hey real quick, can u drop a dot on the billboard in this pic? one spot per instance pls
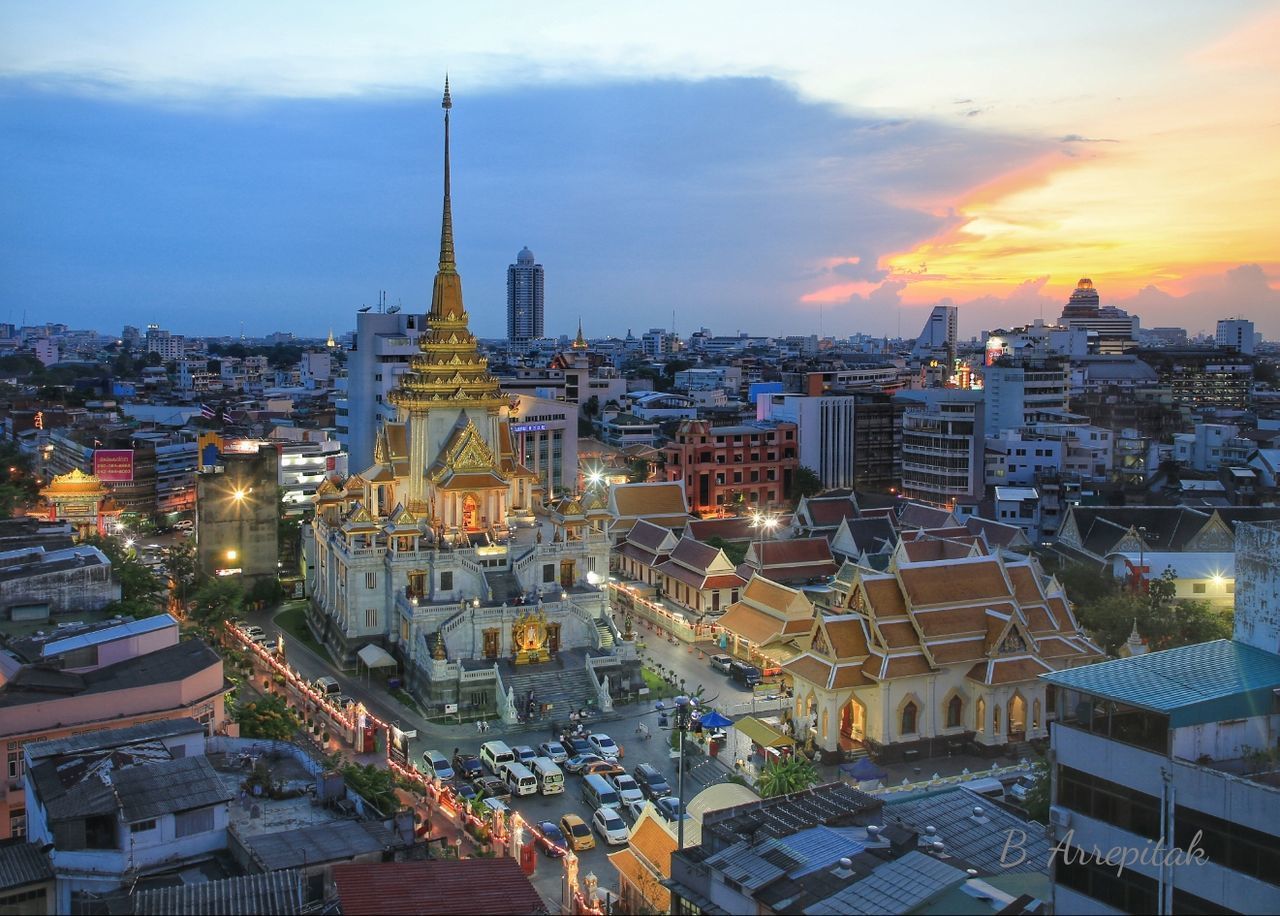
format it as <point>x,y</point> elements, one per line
<point>113,465</point>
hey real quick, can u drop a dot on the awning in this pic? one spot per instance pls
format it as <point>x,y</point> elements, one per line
<point>376,657</point>
<point>762,734</point>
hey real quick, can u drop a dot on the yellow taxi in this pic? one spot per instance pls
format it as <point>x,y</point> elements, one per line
<point>577,833</point>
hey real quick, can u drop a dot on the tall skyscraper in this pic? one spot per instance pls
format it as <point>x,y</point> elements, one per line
<point>938,338</point>
<point>524,298</point>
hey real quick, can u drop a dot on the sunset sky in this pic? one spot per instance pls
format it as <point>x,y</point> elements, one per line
<point>838,169</point>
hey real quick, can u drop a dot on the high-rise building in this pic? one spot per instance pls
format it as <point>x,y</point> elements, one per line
<point>1114,330</point>
<point>1172,755</point>
<point>943,445</point>
<point>938,339</point>
<point>1235,334</point>
<point>524,299</point>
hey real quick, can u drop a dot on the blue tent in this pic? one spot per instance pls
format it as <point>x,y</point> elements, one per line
<point>863,770</point>
<point>713,719</point>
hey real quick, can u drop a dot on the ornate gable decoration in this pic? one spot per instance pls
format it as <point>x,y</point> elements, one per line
<point>1130,543</point>
<point>1215,535</point>
<point>820,644</point>
<point>468,451</point>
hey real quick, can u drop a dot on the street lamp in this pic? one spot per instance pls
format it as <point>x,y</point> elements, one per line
<point>685,708</point>
<point>763,522</point>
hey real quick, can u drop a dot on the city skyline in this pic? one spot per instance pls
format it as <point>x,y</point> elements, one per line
<point>776,187</point>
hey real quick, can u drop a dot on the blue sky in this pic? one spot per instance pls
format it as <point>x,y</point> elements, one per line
<point>839,168</point>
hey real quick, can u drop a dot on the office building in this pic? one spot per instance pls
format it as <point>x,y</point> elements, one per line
<point>1111,330</point>
<point>524,299</point>
<point>848,440</point>
<point>1177,748</point>
<point>938,338</point>
<point>545,433</point>
<point>724,467</point>
<point>238,513</point>
<point>384,343</point>
<point>943,445</point>
<point>1016,393</point>
<point>1235,334</point>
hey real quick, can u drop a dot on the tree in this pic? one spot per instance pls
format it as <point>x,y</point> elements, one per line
<point>141,590</point>
<point>736,553</point>
<point>783,777</point>
<point>805,482</point>
<point>216,600</point>
<point>1085,582</point>
<point>268,718</point>
<point>375,785</point>
<point>1162,620</point>
<point>180,559</point>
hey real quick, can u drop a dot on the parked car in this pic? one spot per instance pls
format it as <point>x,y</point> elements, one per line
<point>670,808</point>
<point>610,825</point>
<point>578,746</point>
<point>553,750</point>
<point>581,762</point>
<point>627,788</point>
<point>604,746</point>
<point>464,790</point>
<point>744,674</point>
<point>185,525</point>
<point>253,631</point>
<point>603,768</point>
<point>651,781</point>
<point>551,841</point>
<point>524,753</point>
<point>437,765</point>
<point>576,831</point>
<point>467,766</point>
<point>493,787</point>
<point>721,663</point>
<point>635,809</point>
<point>327,686</point>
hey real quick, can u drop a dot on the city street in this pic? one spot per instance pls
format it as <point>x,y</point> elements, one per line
<point>692,666</point>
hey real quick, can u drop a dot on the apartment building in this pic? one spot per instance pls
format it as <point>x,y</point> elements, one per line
<point>750,466</point>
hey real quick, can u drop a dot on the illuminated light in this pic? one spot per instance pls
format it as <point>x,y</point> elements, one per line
<point>128,542</point>
<point>231,554</point>
<point>238,495</point>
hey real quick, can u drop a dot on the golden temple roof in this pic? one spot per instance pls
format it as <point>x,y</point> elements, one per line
<point>72,484</point>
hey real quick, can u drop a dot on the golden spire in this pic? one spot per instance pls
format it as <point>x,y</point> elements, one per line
<point>447,261</point>
<point>580,342</point>
<point>448,369</point>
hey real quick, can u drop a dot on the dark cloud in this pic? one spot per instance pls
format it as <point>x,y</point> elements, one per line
<point>717,198</point>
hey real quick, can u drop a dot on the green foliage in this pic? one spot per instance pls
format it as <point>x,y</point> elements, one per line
<point>267,591</point>
<point>140,588</point>
<point>638,470</point>
<point>783,777</point>
<point>267,718</point>
<point>1085,582</point>
<point>805,482</point>
<point>18,488</point>
<point>215,600</point>
<point>180,560</point>
<point>1163,622</point>
<point>375,785</point>
<point>735,552</point>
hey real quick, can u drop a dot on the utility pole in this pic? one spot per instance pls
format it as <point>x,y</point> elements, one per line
<point>684,710</point>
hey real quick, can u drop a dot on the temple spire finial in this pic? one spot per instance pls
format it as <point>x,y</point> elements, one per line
<point>447,259</point>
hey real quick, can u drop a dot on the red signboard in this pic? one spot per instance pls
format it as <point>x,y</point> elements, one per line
<point>113,465</point>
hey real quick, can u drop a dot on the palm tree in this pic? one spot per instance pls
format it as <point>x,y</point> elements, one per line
<point>783,777</point>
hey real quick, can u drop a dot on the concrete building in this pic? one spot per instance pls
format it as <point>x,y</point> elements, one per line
<point>943,446</point>
<point>1016,393</point>
<point>238,514</point>
<point>36,583</point>
<point>168,346</point>
<point>727,378</point>
<point>1235,334</point>
<point>1111,330</point>
<point>938,338</point>
<point>110,676</point>
<point>524,299</point>
<point>848,440</point>
<point>545,432</point>
<point>384,343</point>
<point>1189,764</point>
<point>748,467</point>
<point>315,369</point>
<point>116,805</point>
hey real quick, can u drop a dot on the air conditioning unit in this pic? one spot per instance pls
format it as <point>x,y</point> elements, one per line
<point>1060,816</point>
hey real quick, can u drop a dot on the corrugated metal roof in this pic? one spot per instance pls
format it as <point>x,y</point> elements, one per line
<point>114,737</point>
<point>275,893</point>
<point>1177,679</point>
<point>22,863</point>
<point>168,787</point>
<point>107,634</point>
<point>895,887</point>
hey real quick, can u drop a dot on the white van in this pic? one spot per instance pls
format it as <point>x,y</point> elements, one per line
<point>520,780</point>
<point>493,754</point>
<point>550,777</point>
<point>597,793</point>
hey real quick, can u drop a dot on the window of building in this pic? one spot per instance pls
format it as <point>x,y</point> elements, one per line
<point>1108,801</point>
<point>142,826</point>
<point>1230,587</point>
<point>1127,891</point>
<point>189,823</point>
<point>370,580</point>
<point>548,572</point>
<point>909,719</point>
<point>1198,588</point>
<point>17,825</point>
<point>954,710</point>
<point>370,617</point>
<point>446,581</point>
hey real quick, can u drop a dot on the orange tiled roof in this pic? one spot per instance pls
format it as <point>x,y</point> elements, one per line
<point>654,844</point>
<point>1026,585</point>
<point>956,620</point>
<point>634,871</point>
<point>966,650</point>
<point>847,676</point>
<point>847,637</point>
<point>812,669</point>
<point>884,595</point>
<point>906,666</point>
<point>1008,670</point>
<point>649,499</point>
<point>979,579</point>
<point>750,623</point>
<point>473,482</point>
<point>898,635</point>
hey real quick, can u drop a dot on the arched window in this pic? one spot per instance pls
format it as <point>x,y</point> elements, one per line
<point>909,719</point>
<point>995,719</point>
<point>980,717</point>
<point>954,710</point>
